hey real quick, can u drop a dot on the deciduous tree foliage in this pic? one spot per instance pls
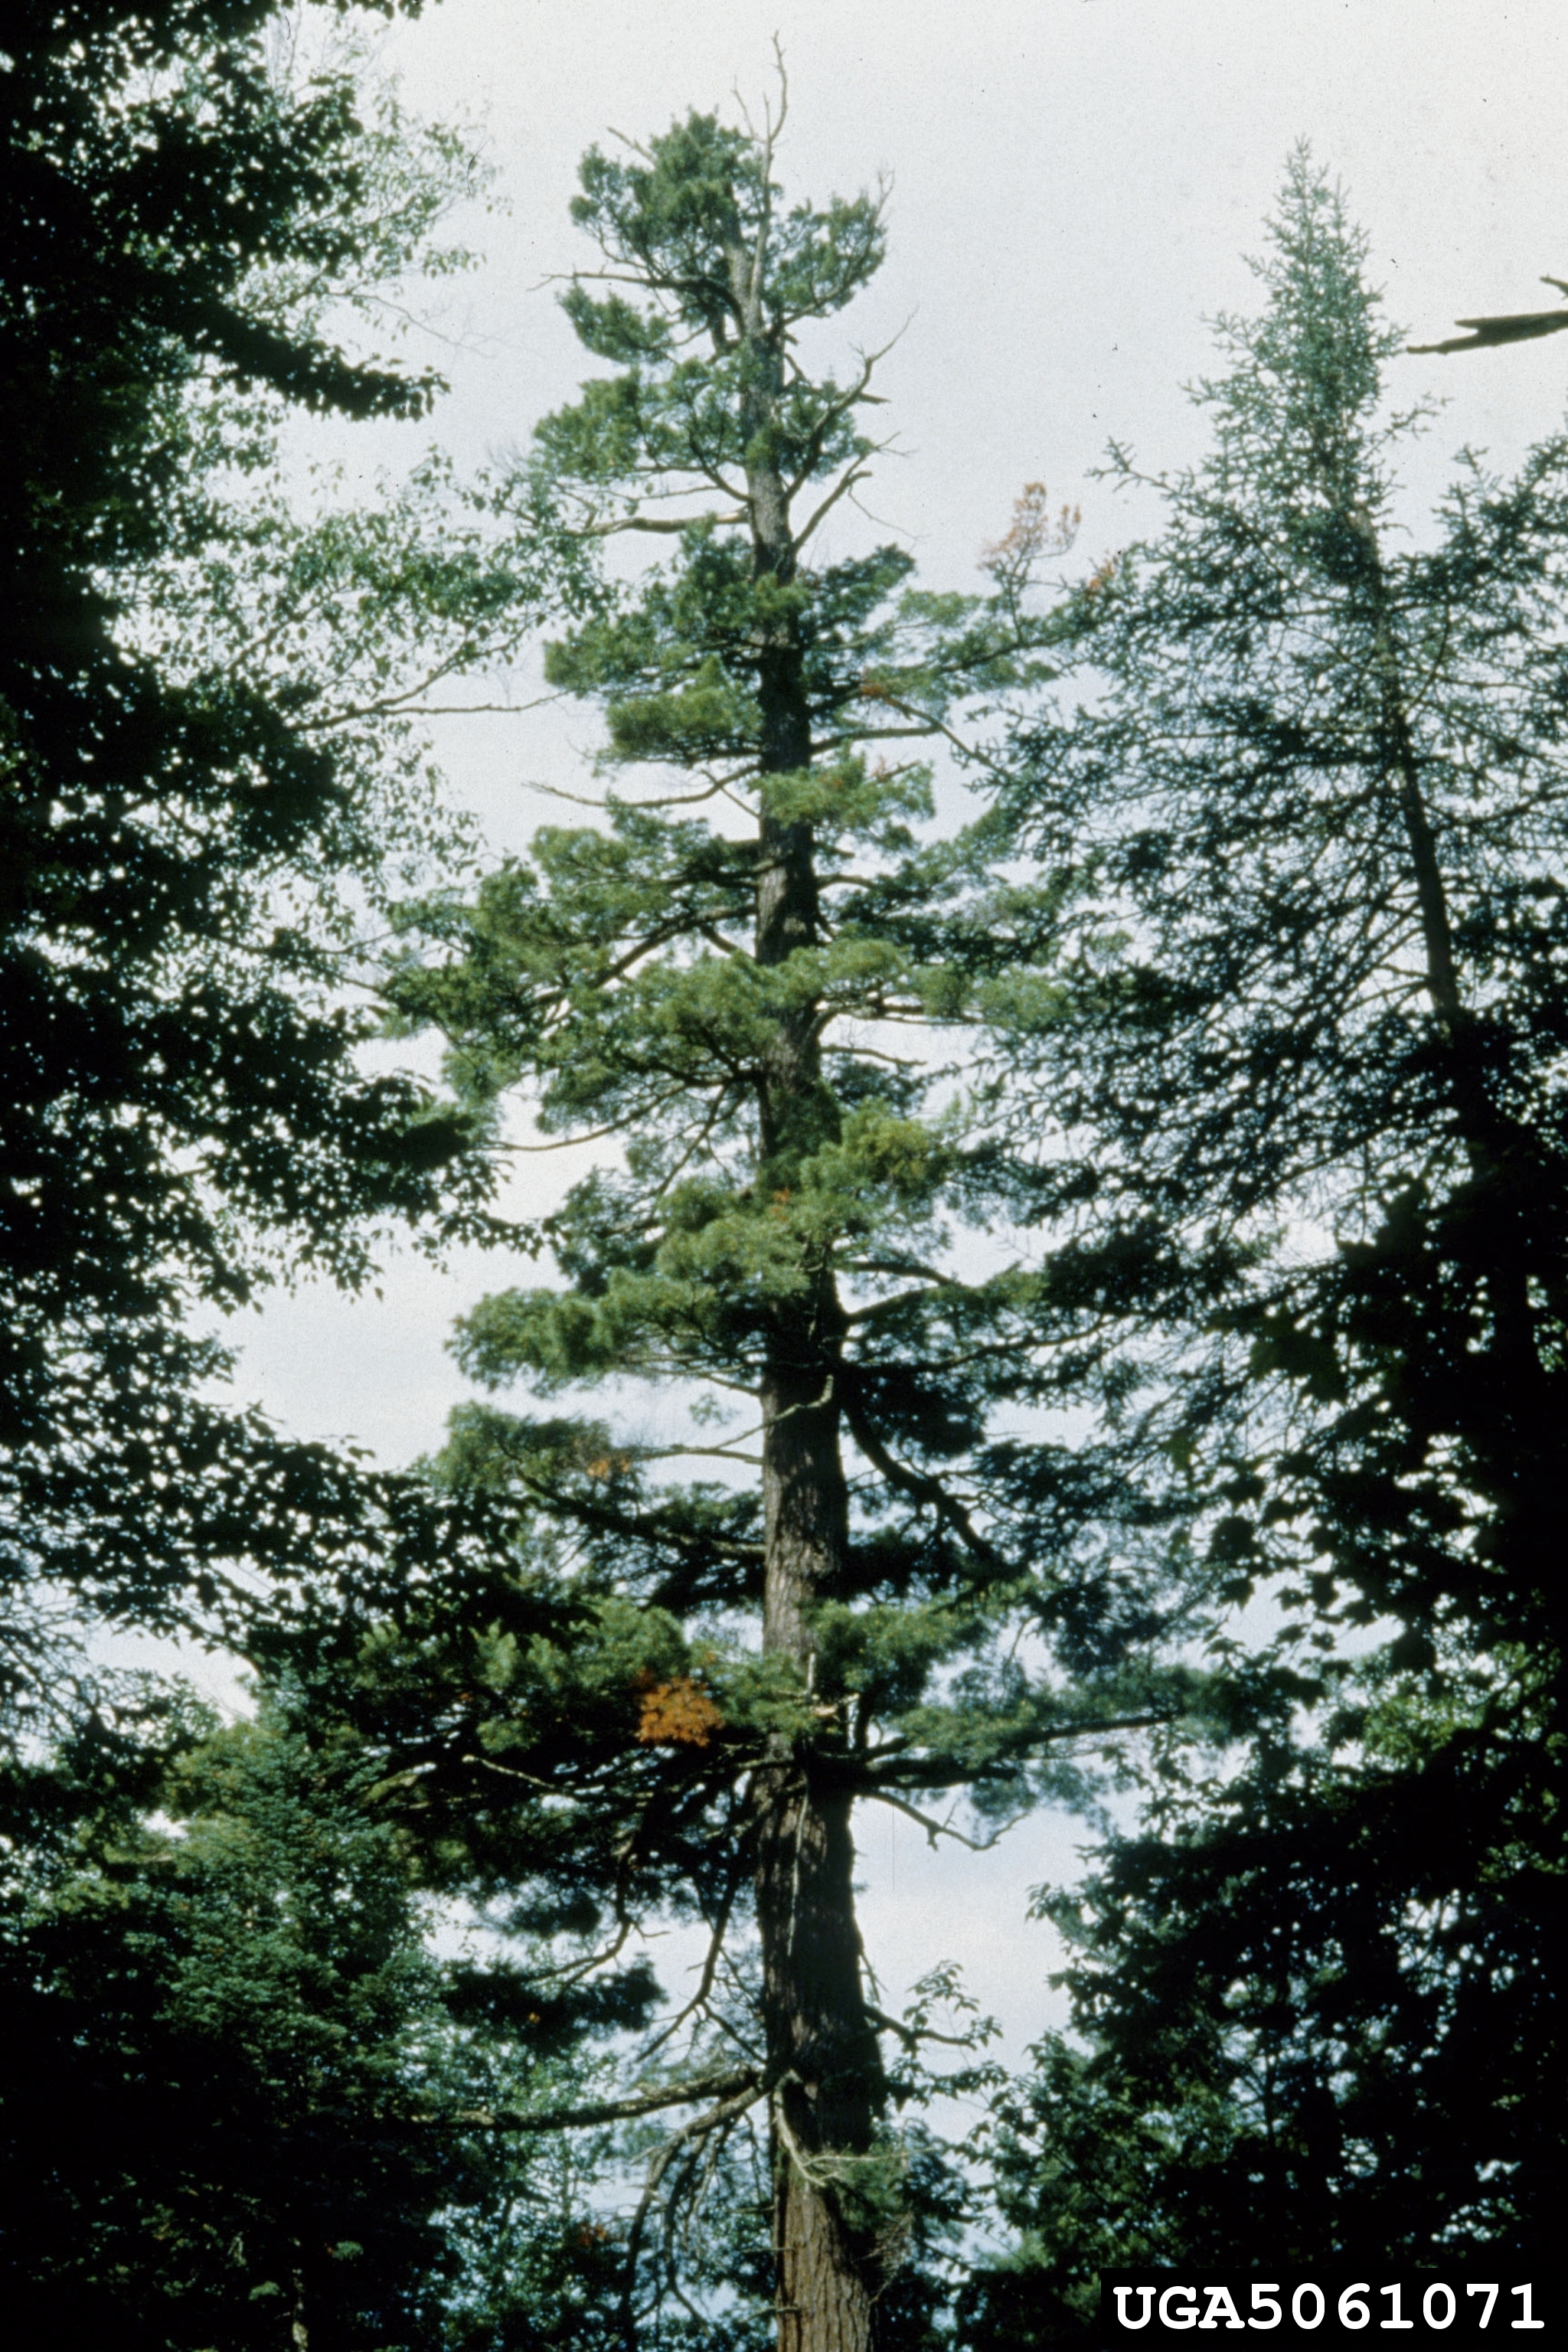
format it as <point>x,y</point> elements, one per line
<point>224,2107</point>
<point>770,979</point>
<point>1316,788</point>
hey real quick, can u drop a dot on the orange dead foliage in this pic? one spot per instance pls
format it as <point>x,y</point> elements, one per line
<point>1035,532</point>
<point>680,1713</point>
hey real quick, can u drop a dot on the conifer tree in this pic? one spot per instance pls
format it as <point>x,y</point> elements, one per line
<point>241,2101</point>
<point>767,976</point>
<point>206,761</point>
<point>1314,787</point>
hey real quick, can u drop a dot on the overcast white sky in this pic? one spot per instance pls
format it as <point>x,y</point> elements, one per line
<point>1075,184</point>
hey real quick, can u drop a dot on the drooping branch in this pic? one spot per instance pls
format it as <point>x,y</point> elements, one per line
<point>935,1830</point>
<point>700,2127</point>
<point>917,1483</point>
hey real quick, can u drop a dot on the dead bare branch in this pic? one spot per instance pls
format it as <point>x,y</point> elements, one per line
<point>735,2090</point>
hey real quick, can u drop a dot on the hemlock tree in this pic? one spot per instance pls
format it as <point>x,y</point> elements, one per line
<point>1318,789</point>
<point>1316,784</point>
<point>773,984</point>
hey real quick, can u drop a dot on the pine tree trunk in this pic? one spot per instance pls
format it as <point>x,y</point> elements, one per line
<point>822,2050</point>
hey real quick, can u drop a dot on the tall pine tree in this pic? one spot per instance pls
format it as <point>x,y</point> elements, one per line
<point>769,978</point>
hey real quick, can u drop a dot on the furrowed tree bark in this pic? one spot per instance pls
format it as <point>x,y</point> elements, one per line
<point>822,2049</point>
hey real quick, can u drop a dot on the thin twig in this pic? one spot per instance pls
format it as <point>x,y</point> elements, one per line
<point>935,1830</point>
<point>705,1983</point>
<point>913,2036</point>
<point>698,2129</point>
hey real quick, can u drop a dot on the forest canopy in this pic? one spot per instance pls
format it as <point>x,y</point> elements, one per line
<point>1065,1306</point>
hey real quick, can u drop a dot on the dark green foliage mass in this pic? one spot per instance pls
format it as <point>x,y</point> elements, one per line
<point>231,2072</point>
<point>211,2040</point>
<point>1315,2011</point>
<point>1313,800</point>
<point>240,2103</point>
<point>184,231</point>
